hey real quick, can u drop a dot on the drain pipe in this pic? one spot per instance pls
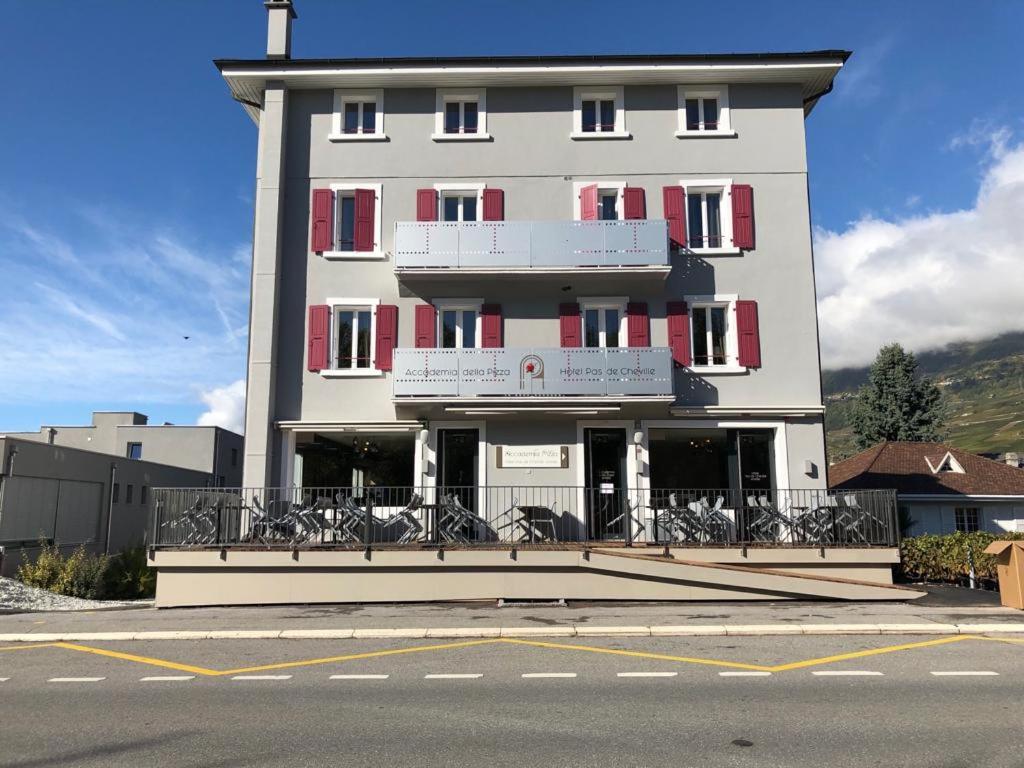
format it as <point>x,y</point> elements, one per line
<point>6,472</point>
<point>970,573</point>
<point>110,506</point>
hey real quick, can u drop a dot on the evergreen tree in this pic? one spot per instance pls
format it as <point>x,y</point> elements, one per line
<point>896,404</point>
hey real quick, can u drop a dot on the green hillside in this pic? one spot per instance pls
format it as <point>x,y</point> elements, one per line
<point>983,385</point>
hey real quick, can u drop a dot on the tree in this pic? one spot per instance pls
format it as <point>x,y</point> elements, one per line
<point>897,404</point>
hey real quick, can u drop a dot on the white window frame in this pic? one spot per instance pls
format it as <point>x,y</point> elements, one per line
<point>459,305</point>
<point>614,93</point>
<point>719,92</point>
<point>463,190</point>
<point>607,186</point>
<point>447,95</point>
<point>356,304</point>
<point>342,97</point>
<point>724,186</point>
<point>378,252</point>
<point>603,302</point>
<point>728,302</point>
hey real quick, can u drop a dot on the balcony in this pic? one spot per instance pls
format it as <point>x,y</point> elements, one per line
<point>509,374</point>
<point>450,249</point>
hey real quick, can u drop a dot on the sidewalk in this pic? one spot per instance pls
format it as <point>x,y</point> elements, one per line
<point>942,612</point>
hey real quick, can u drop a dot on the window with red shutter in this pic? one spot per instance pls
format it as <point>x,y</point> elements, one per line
<point>678,316</point>
<point>365,204</point>
<point>588,203</point>
<point>674,199</point>
<point>387,336</point>
<point>634,203</point>
<point>490,326</point>
<point>638,324</point>
<point>426,326</point>
<point>322,221</point>
<point>318,345</point>
<point>749,334</point>
<point>570,329</point>
<point>743,216</point>
<point>494,205</point>
<point>426,205</point>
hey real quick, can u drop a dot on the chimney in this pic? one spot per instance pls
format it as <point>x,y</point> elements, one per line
<point>1013,459</point>
<point>279,28</point>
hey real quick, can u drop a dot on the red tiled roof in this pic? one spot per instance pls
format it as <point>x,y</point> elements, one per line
<point>903,466</point>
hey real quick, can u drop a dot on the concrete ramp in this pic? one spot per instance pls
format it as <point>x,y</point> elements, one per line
<point>758,583</point>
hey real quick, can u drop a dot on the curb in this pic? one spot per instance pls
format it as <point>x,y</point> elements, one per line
<point>581,630</point>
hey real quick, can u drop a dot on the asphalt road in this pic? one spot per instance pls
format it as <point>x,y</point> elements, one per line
<point>717,701</point>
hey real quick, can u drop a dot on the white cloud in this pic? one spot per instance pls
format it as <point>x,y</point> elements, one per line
<point>928,280</point>
<point>225,407</point>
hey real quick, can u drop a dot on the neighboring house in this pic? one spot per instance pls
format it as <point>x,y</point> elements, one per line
<point>212,450</point>
<point>560,271</point>
<point>71,496</point>
<point>942,489</point>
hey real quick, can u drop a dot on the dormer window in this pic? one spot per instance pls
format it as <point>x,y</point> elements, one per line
<point>599,113</point>
<point>358,115</point>
<point>946,464</point>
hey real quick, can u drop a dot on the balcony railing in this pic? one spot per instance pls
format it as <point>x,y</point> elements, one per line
<point>557,245</point>
<point>506,516</point>
<point>533,372</point>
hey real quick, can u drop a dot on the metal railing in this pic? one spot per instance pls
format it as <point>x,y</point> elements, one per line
<point>508,516</point>
<point>531,244</point>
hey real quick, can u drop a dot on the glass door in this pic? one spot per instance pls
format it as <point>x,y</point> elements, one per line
<point>605,460</point>
<point>458,453</point>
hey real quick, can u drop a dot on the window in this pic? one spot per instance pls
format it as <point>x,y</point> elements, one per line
<point>713,334</point>
<point>967,519</point>
<point>704,112</point>
<point>458,325</point>
<point>234,457</point>
<point>460,202</point>
<point>134,451</point>
<point>599,113</point>
<point>116,493</point>
<point>144,494</point>
<point>604,322</point>
<point>358,115</point>
<point>352,337</point>
<point>609,199</point>
<point>461,114</point>
<point>709,215</point>
<point>345,222</point>
<point>128,493</point>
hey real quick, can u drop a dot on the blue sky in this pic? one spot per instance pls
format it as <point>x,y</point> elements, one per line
<point>126,189</point>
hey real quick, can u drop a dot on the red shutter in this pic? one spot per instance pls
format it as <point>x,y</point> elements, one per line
<point>634,203</point>
<point>742,216</point>
<point>426,205</point>
<point>569,325</point>
<point>319,333</point>
<point>322,226</point>
<point>365,202</point>
<point>426,326</point>
<point>588,203</point>
<point>749,334</point>
<point>490,326</point>
<point>494,205</point>
<point>638,324</point>
<point>387,336</point>
<point>674,199</point>
<point>678,315</point>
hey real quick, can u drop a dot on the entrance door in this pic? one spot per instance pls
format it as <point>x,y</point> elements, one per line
<point>458,464</point>
<point>755,469</point>
<point>605,459</point>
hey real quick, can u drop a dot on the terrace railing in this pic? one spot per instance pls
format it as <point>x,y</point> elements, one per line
<point>512,516</point>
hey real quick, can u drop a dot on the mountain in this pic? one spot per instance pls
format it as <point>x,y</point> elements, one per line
<point>982,383</point>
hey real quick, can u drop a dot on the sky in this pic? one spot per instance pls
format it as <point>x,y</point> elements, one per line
<point>127,173</point>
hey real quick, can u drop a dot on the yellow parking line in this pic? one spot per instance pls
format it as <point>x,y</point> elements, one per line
<point>637,654</point>
<point>871,652</point>
<point>139,659</point>
<point>28,646</point>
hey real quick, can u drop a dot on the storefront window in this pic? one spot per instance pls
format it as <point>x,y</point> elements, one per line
<point>359,461</point>
<point>711,459</point>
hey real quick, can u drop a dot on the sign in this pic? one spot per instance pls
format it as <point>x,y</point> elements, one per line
<point>533,456</point>
<point>527,372</point>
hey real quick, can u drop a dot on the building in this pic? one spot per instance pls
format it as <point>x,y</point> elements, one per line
<point>72,497</point>
<point>215,451</point>
<point>940,489</point>
<point>571,297</point>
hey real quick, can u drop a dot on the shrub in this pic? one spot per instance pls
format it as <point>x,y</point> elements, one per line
<point>129,577</point>
<point>77,575</point>
<point>948,557</point>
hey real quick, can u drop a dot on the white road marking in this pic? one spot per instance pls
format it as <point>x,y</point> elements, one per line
<point>965,673</point>
<point>166,678</point>
<point>359,677</point>
<point>647,674</point>
<point>744,674</point>
<point>262,677</point>
<point>548,674</point>
<point>4,679</point>
<point>75,679</point>
<point>462,676</point>
<point>846,673</point>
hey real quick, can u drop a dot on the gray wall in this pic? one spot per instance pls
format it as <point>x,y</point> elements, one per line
<point>61,493</point>
<point>939,516</point>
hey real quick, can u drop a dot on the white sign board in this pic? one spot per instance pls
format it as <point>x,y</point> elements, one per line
<point>533,456</point>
